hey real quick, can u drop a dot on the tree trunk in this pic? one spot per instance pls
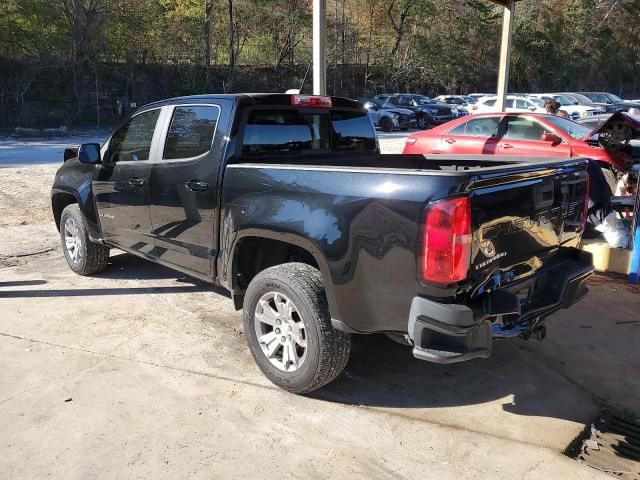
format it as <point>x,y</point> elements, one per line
<point>208,8</point>
<point>232,47</point>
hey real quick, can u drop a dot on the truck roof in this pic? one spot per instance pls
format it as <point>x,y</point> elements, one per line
<point>276,99</point>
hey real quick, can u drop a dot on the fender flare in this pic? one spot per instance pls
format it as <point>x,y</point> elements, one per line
<point>286,237</point>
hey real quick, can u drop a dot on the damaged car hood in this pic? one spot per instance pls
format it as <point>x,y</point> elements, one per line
<point>616,132</point>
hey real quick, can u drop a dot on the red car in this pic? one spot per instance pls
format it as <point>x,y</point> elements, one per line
<point>529,134</point>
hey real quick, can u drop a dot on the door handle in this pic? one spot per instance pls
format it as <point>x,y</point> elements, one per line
<point>450,141</point>
<point>136,182</point>
<point>196,185</point>
<point>507,145</point>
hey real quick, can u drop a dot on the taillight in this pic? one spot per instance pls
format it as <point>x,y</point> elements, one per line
<point>311,101</point>
<point>446,243</point>
<point>585,213</point>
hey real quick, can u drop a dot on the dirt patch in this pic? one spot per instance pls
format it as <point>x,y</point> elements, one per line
<point>24,196</point>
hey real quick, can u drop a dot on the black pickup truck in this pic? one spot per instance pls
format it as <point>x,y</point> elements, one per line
<point>286,201</point>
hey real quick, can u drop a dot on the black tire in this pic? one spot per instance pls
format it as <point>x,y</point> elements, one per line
<point>327,350</point>
<point>423,122</point>
<point>386,125</point>
<point>93,257</point>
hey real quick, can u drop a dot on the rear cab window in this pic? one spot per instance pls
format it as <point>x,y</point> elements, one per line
<point>284,131</point>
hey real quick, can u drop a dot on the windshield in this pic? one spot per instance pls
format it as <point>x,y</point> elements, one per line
<point>388,105</point>
<point>598,98</point>
<point>573,129</point>
<point>538,101</point>
<point>582,98</point>
<point>421,100</point>
<point>614,98</point>
<point>562,100</point>
<point>471,100</point>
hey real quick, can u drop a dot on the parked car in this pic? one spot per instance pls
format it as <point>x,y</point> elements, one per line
<point>513,103</point>
<point>519,134</point>
<point>616,103</point>
<point>386,116</point>
<point>452,100</point>
<point>460,105</point>
<point>286,202</point>
<point>581,99</point>
<point>570,106</point>
<point>428,112</point>
<point>478,96</point>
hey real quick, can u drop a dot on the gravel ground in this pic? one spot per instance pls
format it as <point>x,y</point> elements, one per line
<point>141,372</point>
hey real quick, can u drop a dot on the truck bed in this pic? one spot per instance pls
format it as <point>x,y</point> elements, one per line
<point>363,216</point>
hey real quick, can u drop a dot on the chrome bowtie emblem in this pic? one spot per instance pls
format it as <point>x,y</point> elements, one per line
<point>487,248</point>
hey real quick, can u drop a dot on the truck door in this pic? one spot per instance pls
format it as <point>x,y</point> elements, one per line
<point>121,186</point>
<point>183,187</point>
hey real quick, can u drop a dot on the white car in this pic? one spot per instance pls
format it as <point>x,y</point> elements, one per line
<point>513,103</point>
<point>570,106</point>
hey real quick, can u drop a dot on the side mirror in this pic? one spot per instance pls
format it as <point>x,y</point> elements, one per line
<point>551,137</point>
<point>532,108</point>
<point>70,153</point>
<point>89,153</point>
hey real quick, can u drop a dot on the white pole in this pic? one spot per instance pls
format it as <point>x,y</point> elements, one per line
<point>319,47</point>
<point>505,54</point>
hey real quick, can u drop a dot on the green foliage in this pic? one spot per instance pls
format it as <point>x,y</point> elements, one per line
<point>433,46</point>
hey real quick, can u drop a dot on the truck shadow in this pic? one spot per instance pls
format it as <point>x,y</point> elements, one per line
<point>382,373</point>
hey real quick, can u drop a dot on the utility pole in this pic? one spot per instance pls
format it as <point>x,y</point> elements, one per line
<point>319,47</point>
<point>505,54</point>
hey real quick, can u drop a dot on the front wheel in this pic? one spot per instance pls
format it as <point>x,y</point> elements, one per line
<point>83,256</point>
<point>288,328</point>
<point>423,123</point>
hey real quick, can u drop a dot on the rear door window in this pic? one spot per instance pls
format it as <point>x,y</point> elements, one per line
<point>191,131</point>
<point>478,127</point>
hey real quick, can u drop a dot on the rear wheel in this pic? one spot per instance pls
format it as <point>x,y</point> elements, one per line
<point>288,328</point>
<point>423,123</point>
<point>83,256</point>
<point>386,125</point>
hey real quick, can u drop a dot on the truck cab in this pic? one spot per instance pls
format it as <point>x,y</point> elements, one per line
<point>286,202</point>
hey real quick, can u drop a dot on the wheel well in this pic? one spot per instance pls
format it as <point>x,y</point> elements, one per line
<point>59,202</point>
<point>254,254</point>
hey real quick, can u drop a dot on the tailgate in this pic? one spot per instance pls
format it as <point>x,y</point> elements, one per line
<point>520,219</point>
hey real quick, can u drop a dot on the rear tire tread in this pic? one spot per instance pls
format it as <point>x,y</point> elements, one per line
<point>335,345</point>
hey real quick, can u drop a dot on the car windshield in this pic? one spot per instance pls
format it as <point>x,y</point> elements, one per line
<point>573,129</point>
<point>562,100</point>
<point>538,101</point>
<point>388,105</point>
<point>421,100</point>
<point>598,98</point>
<point>470,100</point>
<point>614,98</point>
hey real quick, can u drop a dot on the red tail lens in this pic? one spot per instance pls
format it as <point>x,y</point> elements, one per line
<point>446,244</point>
<point>310,101</point>
<point>585,213</point>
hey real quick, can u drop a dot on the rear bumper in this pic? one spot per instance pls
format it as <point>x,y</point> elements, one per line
<point>449,333</point>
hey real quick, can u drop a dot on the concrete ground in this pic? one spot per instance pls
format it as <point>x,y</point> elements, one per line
<point>140,372</point>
